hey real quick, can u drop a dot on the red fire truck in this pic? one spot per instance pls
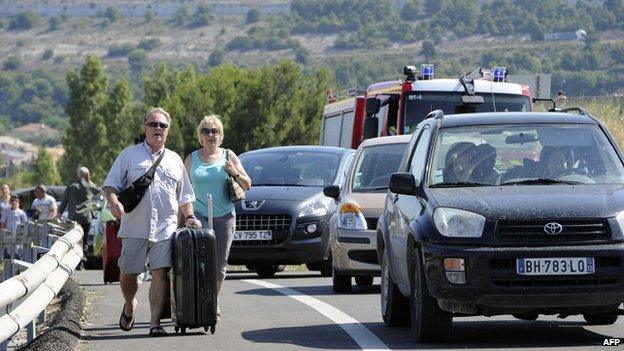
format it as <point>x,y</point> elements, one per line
<point>396,107</point>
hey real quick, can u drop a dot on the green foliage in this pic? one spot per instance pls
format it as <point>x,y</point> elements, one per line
<point>181,16</point>
<point>45,171</point>
<point>13,63</point>
<point>120,50</point>
<point>149,15</point>
<point>202,16</point>
<point>119,111</point>
<point>54,23</point>
<point>274,105</point>
<point>428,49</point>
<point>253,16</point>
<point>113,14</point>
<point>85,140</point>
<point>263,37</point>
<point>216,57</point>
<point>24,21</point>
<point>137,61</point>
<point>149,44</point>
<point>47,54</point>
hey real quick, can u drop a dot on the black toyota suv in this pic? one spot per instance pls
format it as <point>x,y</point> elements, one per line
<point>503,213</point>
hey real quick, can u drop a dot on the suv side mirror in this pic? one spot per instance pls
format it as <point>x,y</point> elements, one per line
<point>371,127</point>
<point>332,191</point>
<point>372,106</point>
<point>402,183</point>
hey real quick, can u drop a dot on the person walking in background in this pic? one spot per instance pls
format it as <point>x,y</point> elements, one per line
<point>209,168</point>
<point>44,204</point>
<point>14,215</point>
<point>77,202</point>
<point>146,231</point>
<point>561,97</point>
<point>5,198</point>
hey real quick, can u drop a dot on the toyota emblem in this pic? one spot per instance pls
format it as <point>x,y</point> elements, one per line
<point>553,228</point>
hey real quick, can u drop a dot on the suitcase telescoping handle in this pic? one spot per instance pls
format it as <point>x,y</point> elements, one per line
<point>209,209</point>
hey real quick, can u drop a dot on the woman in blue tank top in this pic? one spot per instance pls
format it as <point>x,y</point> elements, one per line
<point>209,168</point>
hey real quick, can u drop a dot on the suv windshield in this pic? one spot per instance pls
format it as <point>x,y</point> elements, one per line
<point>293,168</point>
<point>374,166</point>
<point>524,154</point>
<point>419,104</point>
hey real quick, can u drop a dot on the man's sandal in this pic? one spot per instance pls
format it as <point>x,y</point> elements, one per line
<point>157,331</point>
<point>126,322</point>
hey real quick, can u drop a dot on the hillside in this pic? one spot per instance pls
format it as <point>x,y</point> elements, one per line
<point>359,41</point>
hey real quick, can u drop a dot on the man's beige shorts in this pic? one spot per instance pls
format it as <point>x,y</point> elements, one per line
<point>134,252</point>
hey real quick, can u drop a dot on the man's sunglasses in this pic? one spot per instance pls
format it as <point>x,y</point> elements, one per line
<point>157,125</point>
<point>207,131</point>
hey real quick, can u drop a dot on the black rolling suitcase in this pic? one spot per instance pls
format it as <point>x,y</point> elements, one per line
<point>194,283</point>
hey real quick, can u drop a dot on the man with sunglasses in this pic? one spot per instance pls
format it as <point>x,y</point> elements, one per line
<point>147,230</point>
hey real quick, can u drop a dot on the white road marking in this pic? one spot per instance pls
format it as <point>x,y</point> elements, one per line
<point>358,332</point>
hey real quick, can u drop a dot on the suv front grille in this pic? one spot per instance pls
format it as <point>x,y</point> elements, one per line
<point>503,273</point>
<point>573,230</point>
<point>278,224</point>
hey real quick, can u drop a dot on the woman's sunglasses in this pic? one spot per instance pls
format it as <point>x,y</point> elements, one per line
<point>157,125</point>
<point>207,131</point>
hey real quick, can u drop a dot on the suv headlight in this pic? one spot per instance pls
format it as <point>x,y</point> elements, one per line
<point>454,223</point>
<point>351,217</point>
<point>316,208</point>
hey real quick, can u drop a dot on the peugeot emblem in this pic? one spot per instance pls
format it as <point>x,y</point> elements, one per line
<point>553,228</point>
<point>252,204</point>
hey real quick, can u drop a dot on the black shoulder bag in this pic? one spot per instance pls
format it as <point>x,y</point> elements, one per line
<point>132,195</point>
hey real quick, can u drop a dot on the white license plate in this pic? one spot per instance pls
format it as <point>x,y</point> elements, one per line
<point>252,235</point>
<point>555,266</point>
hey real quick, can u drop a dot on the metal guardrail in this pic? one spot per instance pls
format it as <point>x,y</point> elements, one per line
<point>34,281</point>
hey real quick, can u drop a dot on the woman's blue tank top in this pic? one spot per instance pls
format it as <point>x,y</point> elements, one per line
<point>210,178</point>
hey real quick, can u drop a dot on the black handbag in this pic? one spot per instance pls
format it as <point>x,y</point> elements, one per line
<point>132,195</point>
<point>235,191</point>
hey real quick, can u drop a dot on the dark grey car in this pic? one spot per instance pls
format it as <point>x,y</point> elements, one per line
<point>285,217</point>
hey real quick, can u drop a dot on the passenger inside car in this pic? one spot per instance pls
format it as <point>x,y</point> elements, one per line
<point>482,161</point>
<point>457,162</point>
<point>554,165</point>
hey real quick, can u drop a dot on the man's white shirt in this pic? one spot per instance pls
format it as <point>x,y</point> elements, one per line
<point>45,206</point>
<point>156,216</point>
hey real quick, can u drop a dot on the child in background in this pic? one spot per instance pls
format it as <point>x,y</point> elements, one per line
<point>14,215</point>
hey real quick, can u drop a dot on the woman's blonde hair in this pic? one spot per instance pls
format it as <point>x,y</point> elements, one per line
<point>210,120</point>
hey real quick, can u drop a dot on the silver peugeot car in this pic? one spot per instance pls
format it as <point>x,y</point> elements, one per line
<point>360,202</point>
<point>284,219</point>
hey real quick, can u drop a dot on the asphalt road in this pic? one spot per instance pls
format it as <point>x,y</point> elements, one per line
<point>298,311</point>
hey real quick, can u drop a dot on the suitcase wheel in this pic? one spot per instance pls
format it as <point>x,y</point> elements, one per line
<point>176,328</point>
<point>212,329</point>
<point>183,331</point>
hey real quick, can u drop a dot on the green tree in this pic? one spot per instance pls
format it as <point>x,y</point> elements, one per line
<point>137,60</point>
<point>253,16</point>
<point>202,16</point>
<point>216,57</point>
<point>45,171</point>
<point>119,116</point>
<point>85,140</point>
<point>13,63</point>
<point>24,21</point>
<point>113,14</point>
<point>428,49</point>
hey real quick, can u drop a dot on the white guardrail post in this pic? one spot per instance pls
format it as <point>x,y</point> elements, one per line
<point>40,279</point>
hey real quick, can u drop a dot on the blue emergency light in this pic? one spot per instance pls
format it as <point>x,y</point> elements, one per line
<point>427,71</point>
<point>498,74</point>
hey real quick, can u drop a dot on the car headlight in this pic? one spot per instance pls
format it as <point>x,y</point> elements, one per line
<point>316,208</point>
<point>351,217</point>
<point>454,223</point>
